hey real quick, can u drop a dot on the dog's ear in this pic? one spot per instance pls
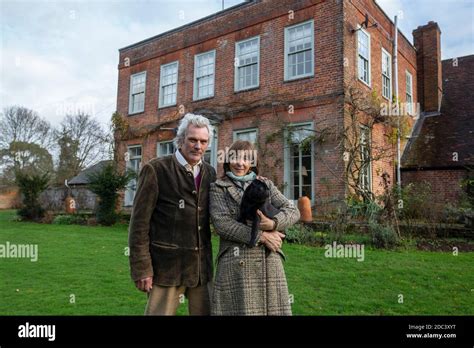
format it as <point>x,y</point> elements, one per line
<point>257,191</point>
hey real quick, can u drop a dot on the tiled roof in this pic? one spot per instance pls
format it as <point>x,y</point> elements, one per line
<point>81,178</point>
<point>449,135</point>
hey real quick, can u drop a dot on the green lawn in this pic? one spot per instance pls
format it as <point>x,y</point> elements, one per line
<point>89,263</point>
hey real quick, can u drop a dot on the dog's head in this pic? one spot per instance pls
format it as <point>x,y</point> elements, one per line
<point>257,191</point>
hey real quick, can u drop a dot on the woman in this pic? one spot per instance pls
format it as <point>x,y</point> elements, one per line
<point>250,279</point>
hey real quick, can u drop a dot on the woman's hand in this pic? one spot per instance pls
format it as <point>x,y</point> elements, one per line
<point>266,224</point>
<point>272,240</point>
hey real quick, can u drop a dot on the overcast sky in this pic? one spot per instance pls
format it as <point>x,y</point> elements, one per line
<point>59,56</point>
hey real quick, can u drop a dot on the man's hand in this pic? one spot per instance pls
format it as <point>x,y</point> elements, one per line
<point>272,240</point>
<point>145,284</point>
<point>266,224</point>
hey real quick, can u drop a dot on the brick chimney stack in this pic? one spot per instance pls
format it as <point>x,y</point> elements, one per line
<point>428,59</point>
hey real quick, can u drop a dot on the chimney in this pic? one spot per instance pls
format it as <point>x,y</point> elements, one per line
<point>426,39</point>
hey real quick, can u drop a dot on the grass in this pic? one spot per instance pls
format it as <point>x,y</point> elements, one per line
<point>90,264</point>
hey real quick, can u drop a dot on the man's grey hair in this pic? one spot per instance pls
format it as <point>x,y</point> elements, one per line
<point>188,119</point>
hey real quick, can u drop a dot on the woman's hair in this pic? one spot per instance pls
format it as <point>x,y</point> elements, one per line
<point>235,148</point>
<point>188,119</point>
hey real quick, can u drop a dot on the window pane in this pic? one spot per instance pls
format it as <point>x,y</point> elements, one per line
<point>137,92</point>
<point>300,50</point>
<point>301,173</point>
<point>363,44</point>
<point>169,78</point>
<point>247,54</point>
<point>247,135</point>
<point>205,74</point>
<point>165,149</point>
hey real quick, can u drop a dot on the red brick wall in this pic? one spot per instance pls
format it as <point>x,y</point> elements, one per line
<point>445,184</point>
<point>328,70</point>
<point>427,41</point>
<point>10,198</point>
<point>380,37</point>
<point>329,191</point>
<point>317,98</point>
<point>386,164</point>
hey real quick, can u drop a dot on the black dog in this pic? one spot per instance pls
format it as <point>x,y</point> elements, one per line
<point>256,196</point>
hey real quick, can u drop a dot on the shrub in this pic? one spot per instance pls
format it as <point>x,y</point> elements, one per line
<point>417,202</point>
<point>31,187</point>
<point>468,186</point>
<point>48,217</point>
<point>368,210</point>
<point>383,236</point>
<point>300,234</point>
<point>106,184</point>
<point>69,220</point>
<point>348,239</point>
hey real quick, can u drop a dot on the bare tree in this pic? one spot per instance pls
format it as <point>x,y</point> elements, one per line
<point>91,138</point>
<point>352,139</point>
<point>362,113</point>
<point>20,124</point>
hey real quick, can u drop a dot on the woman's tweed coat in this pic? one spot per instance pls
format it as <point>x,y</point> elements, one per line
<point>249,280</point>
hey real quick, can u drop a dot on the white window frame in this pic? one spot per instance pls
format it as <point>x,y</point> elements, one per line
<point>158,153</point>
<point>237,65</point>
<point>131,188</point>
<point>212,148</point>
<point>364,128</point>
<point>161,98</point>
<point>196,85</point>
<point>287,169</point>
<point>243,131</point>
<point>369,72</point>
<point>409,92</point>
<point>131,111</point>
<point>389,76</point>
<point>286,60</point>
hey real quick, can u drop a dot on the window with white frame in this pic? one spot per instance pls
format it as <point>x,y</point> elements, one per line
<point>164,148</point>
<point>409,93</point>
<point>168,84</point>
<point>299,162</point>
<point>299,50</point>
<point>363,49</point>
<point>365,174</point>
<point>247,58</point>
<point>204,70</point>
<point>246,134</point>
<point>386,75</point>
<point>210,156</point>
<point>137,93</point>
<point>133,161</point>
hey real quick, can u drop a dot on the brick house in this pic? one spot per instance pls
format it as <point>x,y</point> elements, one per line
<point>441,149</point>
<point>257,66</point>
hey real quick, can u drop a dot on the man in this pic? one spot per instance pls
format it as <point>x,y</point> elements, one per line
<point>169,235</point>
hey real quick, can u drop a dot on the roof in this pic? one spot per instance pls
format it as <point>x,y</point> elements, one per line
<point>81,178</point>
<point>447,139</point>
